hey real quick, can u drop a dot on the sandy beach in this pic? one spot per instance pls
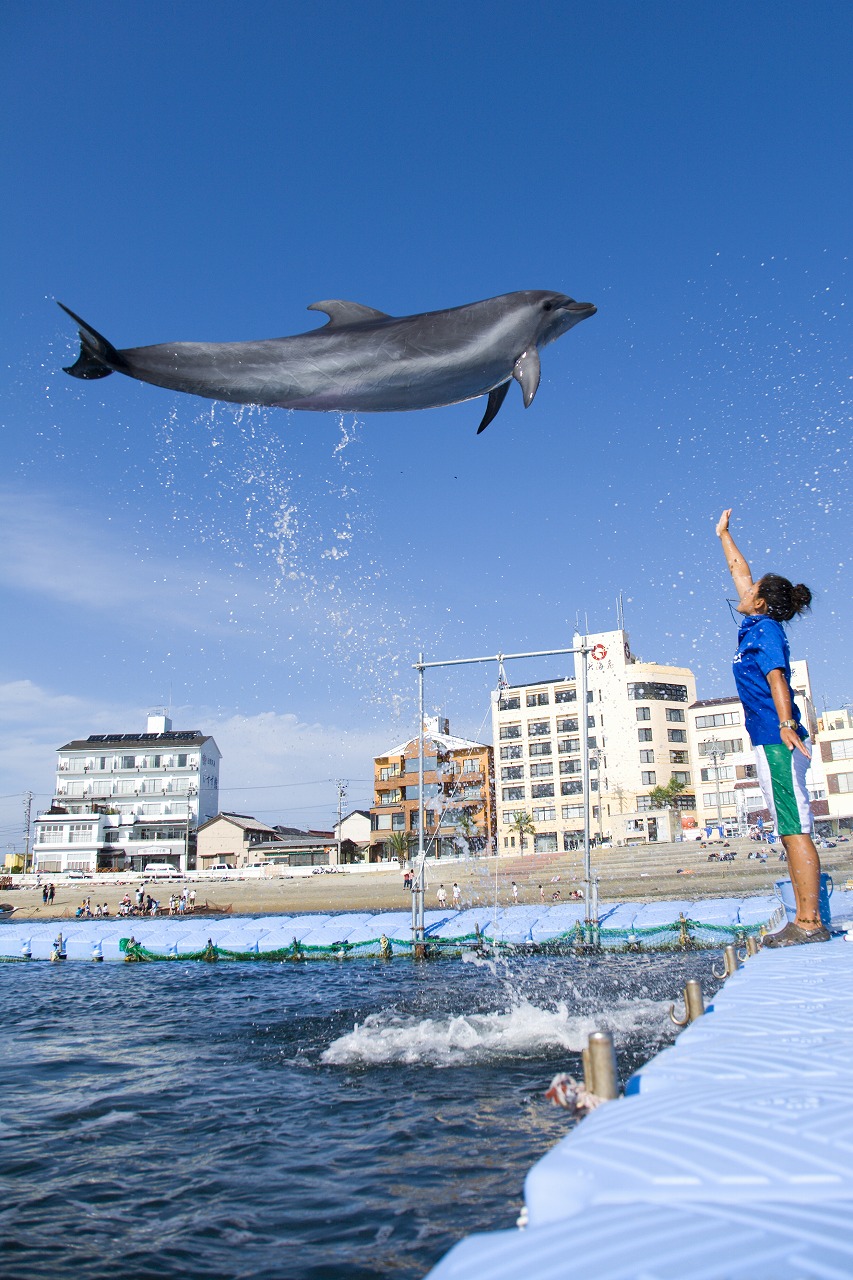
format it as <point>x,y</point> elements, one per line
<point>645,873</point>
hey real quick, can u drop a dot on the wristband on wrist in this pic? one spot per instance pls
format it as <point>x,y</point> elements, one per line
<point>787,724</point>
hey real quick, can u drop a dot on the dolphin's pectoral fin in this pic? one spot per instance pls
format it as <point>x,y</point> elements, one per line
<point>526,371</point>
<point>340,312</point>
<point>496,399</point>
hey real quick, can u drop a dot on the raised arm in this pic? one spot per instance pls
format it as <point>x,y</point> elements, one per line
<point>737,565</point>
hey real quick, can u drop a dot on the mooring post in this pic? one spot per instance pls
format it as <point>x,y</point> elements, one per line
<point>694,1004</point>
<point>601,1056</point>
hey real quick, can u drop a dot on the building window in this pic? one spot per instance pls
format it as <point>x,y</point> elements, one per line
<point>644,804</point>
<point>565,695</point>
<point>709,800</point>
<point>567,725</point>
<point>644,713</point>
<point>570,766</point>
<point>544,815</point>
<point>676,735</point>
<point>545,842</point>
<point>538,728</point>
<point>571,788</point>
<point>727,747</point>
<point>50,833</point>
<point>540,748</point>
<point>678,757</point>
<point>681,776</point>
<point>511,753</point>
<point>644,735</point>
<point>541,790</point>
<point>470,765</point>
<point>565,746</point>
<point>398,822</point>
<point>538,699</point>
<point>128,762</point>
<point>675,715</point>
<point>510,731</point>
<point>80,833</point>
<point>545,770</point>
<point>511,771</point>
<point>647,757</point>
<point>723,772</point>
<point>653,692</point>
<point>389,771</point>
<point>844,781</point>
<point>649,778</point>
<point>510,815</point>
<point>510,703</point>
<point>842,749</point>
<point>512,793</point>
<point>717,719</point>
<point>572,811</point>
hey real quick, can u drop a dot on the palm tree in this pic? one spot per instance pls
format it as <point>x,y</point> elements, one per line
<point>523,825</point>
<point>398,844</point>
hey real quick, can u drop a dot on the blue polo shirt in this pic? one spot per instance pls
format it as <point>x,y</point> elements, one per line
<point>762,647</point>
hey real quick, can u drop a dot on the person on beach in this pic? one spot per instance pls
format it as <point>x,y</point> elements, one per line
<point>51,893</point>
<point>191,900</point>
<point>457,895</point>
<point>762,671</point>
<point>442,896</point>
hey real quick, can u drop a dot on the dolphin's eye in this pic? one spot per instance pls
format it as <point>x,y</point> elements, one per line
<point>547,306</point>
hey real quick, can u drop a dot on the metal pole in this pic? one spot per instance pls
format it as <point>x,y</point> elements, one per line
<point>583,725</point>
<point>419,921</point>
<point>28,800</point>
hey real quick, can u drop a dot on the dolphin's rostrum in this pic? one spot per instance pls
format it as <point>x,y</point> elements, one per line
<point>363,360</point>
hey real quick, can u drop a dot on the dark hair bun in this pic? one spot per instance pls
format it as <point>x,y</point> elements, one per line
<point>801,597</point>
<point>783,600</point>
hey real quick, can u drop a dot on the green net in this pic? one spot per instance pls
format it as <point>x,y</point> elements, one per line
<point>680,935</point>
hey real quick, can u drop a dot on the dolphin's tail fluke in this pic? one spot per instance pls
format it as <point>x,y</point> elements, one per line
<point>98,358</point>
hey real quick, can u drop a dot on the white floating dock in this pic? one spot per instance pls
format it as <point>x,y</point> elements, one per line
<point>711,922</point>
<point>729,1158</point>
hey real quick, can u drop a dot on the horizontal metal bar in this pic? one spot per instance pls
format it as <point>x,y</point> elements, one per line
<point>497,657</point>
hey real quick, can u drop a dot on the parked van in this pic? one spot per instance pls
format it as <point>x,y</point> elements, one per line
<point>162,869</point>
<point>222,866</point>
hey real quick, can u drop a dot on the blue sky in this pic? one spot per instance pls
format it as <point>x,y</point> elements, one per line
<point>204,171</point>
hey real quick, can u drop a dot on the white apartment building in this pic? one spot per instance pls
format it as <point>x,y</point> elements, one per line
<point>636,726</point>
<point>123,800</point>
<point>728,798</point>
<point>727,793</point>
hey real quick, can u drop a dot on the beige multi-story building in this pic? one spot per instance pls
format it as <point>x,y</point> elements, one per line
<point>458,794</point>
<point>636,727</point>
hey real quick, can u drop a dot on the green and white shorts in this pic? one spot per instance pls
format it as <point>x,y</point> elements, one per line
<point>782,778</point>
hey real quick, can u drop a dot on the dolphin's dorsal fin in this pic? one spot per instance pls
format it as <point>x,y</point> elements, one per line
<point>496,398</point>
<point>526,371</point>
<point>340,312</point>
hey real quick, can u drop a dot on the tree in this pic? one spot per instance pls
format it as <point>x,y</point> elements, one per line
<point>398,845</point>
<point>664,797</point>
<point>522,824</point>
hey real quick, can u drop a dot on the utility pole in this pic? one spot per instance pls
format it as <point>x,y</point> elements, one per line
<point>28,804</point>
<point>342,791</point>
<point>712,749</point>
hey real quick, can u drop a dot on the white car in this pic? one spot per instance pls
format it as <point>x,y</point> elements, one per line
<point>222,866</point>
<point>162,869</point>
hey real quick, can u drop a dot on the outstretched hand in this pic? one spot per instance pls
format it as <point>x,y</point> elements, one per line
<point>723,523</point>
<point>794,742</point>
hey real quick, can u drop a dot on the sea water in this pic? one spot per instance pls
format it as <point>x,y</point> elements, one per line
<point>313,1121</point>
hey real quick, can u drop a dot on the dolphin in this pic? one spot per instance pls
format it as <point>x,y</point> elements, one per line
<point>361,360</point>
